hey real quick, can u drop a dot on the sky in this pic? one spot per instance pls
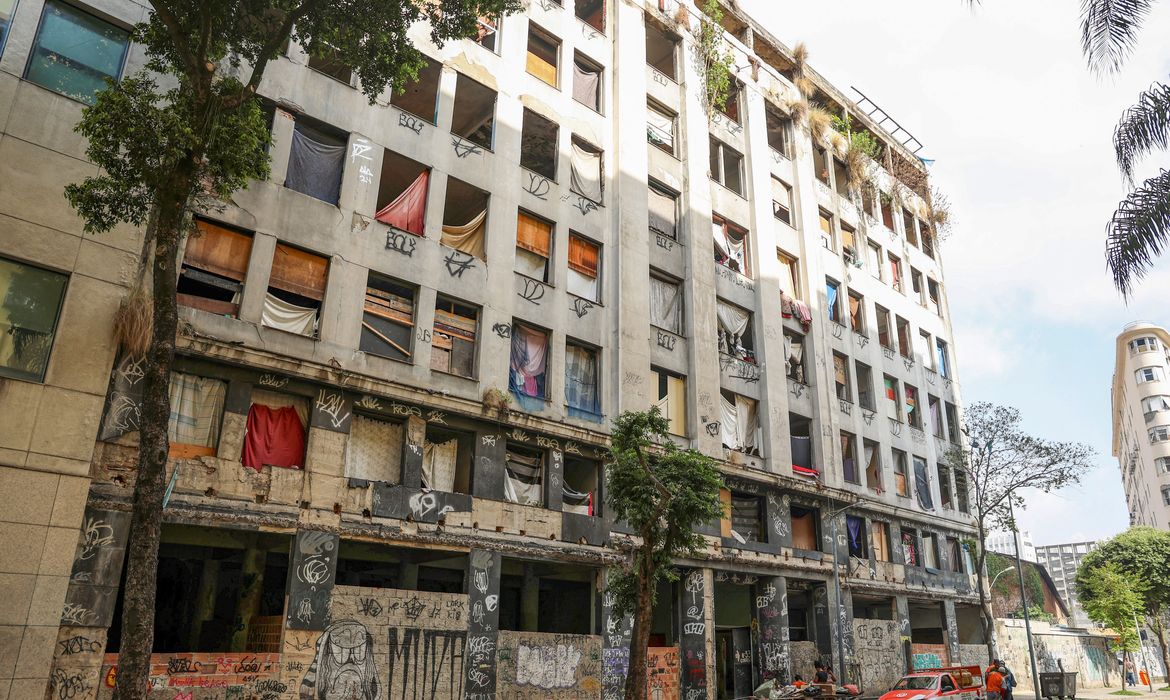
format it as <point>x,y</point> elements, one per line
<point>1020,132</point>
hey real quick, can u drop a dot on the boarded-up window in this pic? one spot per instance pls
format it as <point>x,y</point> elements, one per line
<point>672,400</point>
<point>374,450</point>
<point>453,341</point>
<point>584,268</point>
<point>881,540</point>
<point>295,290</point>
<point>804,529</point>
<point>543,54</point>
<point>388,319</point>
<point>214,267</point>
<point>533,246</point>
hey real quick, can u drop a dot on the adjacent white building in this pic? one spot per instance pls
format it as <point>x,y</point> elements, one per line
<point>1062,561</point>
<point>1141,422</point>
<point>1001,543</point>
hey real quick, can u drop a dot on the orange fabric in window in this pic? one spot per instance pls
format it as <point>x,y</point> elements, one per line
<point>533,234</point>
<point>583,256</point>
<point>219,250</point>
<point>298,272</point>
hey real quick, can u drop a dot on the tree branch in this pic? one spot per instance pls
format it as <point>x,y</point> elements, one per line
<point>175,31</point>
<point>266,52</point>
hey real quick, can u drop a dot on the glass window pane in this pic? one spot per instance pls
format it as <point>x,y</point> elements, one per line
<point>75,52</point>
<point>7,8</point>
<point>30,299</point>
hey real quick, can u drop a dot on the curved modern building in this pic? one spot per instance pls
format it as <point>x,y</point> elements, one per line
<point>1141,422</point>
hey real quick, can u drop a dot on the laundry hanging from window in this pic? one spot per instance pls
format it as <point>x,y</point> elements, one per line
<point>523,475</point>
<point>438,467</point>
<point>529,362</point>
<point>666,305</point>
<point>733,322</point>
<point>468,238</point>
<point>581,390</point>
<point>740,424</point>
<point>730,246</point>
<point>922,484</point>
<point>196,411</point>
<point>275,432</point>
<point>586,175</point>
<point>373,451</point>
<point>663,212</point>
<point>315,163</point>
<point>576,502</point>
<point>408,211</point>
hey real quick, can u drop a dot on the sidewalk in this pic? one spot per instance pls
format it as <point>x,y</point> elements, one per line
<point>1022,693</point>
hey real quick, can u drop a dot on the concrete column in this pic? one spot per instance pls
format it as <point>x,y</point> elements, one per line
<point>204,600</point>
<point>709,642</point>
<point>412,452</point>
<point>951,622</point>
<point>248,606</point>
<point>483,588</point>
<point>697,637</point>
<point>771,611</point>
<point>902,616</point>
<point>259,272</point>
<point>844,627</point>
<point>359,179</point>
<point>283,124</point>
<point>554,490</point>
<point>822,620</point>
<point>615,647</point>
<point>530,600</point>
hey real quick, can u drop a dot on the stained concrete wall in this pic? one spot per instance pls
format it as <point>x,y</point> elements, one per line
<point>1087,654</point>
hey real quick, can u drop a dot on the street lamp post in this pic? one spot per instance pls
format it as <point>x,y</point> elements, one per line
<point>837,591</point>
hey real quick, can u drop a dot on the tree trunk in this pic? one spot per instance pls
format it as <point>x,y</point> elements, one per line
<point>150,483</point>
<point>1159,626</point>
<point>640,638</point>
<point>987,618</point>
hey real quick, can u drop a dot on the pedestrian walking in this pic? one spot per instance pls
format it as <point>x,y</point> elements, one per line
<point>994,683</point>
<point>1130,679</point>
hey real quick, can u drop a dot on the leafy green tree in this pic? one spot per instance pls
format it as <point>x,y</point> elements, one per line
<point>662,492</point>
<point>999,459</point>
<point>713,59</point>
<point>188,130</point>
<point>1113,597</point>
<point>1142,553</point>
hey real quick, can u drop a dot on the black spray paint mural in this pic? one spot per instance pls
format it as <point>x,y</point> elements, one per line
<point>343,666</point>
<point>97,569</point>
<point>483,625</point>
<point>314,568</point>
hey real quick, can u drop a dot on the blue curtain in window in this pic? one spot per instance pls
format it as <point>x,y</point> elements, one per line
<point>314,168</point>
<point>922,485</point>
<point>854,526</point>
<point>831,291</point>
<point>74,52</point>
<point>581,392</point>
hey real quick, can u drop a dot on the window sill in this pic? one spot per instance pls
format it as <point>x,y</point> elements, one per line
<point>668,330</point>
<point>591,108</point>
<point>595,302</point>
<point>729,269</point>
<point>543,81</point>
<point>427,120</point>
<point>664,76</point>
<point>348,84</point>
<point>471,378</point>
<point>487,149</point>
<point>670,153</point>
<point>314,337</point>
<point>534,279</point>
<point>737,194</point>
<point>530,171</point>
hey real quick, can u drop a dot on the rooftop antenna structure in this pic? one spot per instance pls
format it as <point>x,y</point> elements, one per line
<point>885,121</point>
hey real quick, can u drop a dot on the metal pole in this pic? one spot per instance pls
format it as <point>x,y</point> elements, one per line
<point>1024,600</point>
<point>837,593</point>
<point>1142,648</point>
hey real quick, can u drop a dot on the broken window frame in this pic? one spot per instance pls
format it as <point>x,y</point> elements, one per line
<point>662,190</point>
<point>579,268</point>
<point>951,413</point>
<point>536,64</point>
<point>527,152</point>
<point>672,398</point>
<point>916,286</point>
<point>302,292</point>
<point>851,474</point>
<point>895,264</point>
<point>529,453</point>
<point>453,309</point>
<point>517,382</point>
<point>962,492</point>
<point>833,300</point>
<point>902,327</point>
<point>530,249</point>
<point>874,480</point>
<point>934,296</point>
<point>840,178</point>
<point>800,440</point>
<point>791,264</point>
<point>432,71</point>
<point>936,416</point>
<point>913,405</point>
<point>596,503</point>
<point>885,334</point>
<point>821,164</point>
<point>487,32</point>
<point>467,133</point>
<point>599,17</point>
<point>944,357</point>
<point>880,532</point>
<point>745,348</point>
<point>723,171</point>
<point>593,412</point>
<point>731,231</point>
<point>224,268</point>
<point>460,234</point>
<point>795,371</point>
<point>740,528</point>
<point>876,269</point>
<point>857,313</point>
<point>385,303</point>
<point>841,384</point>
<point>680,328</point>
<point>894,408</point>
<point>864,377</point>
<point>910,550</point>
<point>188,392</point>
<point>669,38</point>
<point>779,128</point>
<point>782,201</point>
<point>732,107</point>
<point>945,498</point>
<point>667,146</point>
<point>752,409</point>
<point>908,227</point>
<point>828,230</point>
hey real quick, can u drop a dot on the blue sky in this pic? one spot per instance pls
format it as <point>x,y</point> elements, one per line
<point>1020,134</point>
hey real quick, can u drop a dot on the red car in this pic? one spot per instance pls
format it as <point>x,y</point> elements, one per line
<point>957,682</point>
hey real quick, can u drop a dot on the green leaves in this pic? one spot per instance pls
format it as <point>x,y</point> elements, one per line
<point>663,493</point>
<point>1143,553</point>
<point>1112,597</point>
<point>713,59</point>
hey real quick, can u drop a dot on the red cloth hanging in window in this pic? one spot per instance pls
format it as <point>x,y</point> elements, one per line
<point>275,437</point>
<point>408,209</point>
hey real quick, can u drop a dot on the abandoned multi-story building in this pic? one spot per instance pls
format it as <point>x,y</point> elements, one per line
<point>400,355</point>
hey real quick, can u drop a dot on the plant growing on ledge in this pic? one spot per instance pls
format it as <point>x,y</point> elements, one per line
<point>663,492</point>
<point>712,59</point>
<point>183,134</point>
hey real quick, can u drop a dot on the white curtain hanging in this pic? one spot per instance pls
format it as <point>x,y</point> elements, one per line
<point>733,322</point>
<point>280,314</point>
<point>660,128</point>
<point>729,423</point>
<point>586,175</point>
<point>438,467</point>
<point>749,424</point>
<point>663,212</point>
<point>665,304</point>
<point>522,479</point>
<point>576,502</point>
<point>468,238</point>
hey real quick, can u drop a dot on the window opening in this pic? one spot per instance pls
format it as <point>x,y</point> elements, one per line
<point>779,130</point>
<point>524,475</point>
<point>666,304</point>
<point>447,460</point>
<point>841,376</point>
<point>660,127</point>
<point>801,441</point>
<point>893,405</point>
<point>731,245</point>
<point>740,423</point>
<point>373,450</point>
<point>543,54</point>
<point>454,338</point>
<point>420,97</point>
<point>857,313</point>
<point>388,319</point>
<point>296,289</point>
<point>587,82</point>
<point>582,486</point>
<point>538,140</point>
<point>849,457</point>
<point>584,268</point>
<point>465,218</point>
<point>781,200</point>
<point>586,176</point>
<point>533,246</point>
<point>529,364</point>
<point>402,193</point>
<point>73,52</point>
<point>474,113</point>
<point>873,466</point>
<point>663,206</point>
<point>660,50</point>
<point>865,397</point>
<point>736,334</point>
<point>592,13</point>
<point>672,400</point>
<point>805,528</point>
<point>275,431</point>
<point>215,264</point>
<point>582,389</point>
<point>327,60</point>
<point>727,166</point>
<point>856,535</point>
<point>794,356</point>
<point>316,160</point>
<point>832,299</point>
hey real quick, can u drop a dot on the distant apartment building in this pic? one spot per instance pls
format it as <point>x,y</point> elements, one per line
<point>401,354</point>
<point>1062,561</point>
<point>1142,447</point>
<point>1001,543</point>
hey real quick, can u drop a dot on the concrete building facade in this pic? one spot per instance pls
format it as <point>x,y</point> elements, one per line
<point>399,357</point>
<point>1062,561</point>
<point>1142,447</point>
<point>1004,543</point>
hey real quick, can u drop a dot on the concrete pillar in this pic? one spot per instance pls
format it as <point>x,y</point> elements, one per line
<point>844,627</point>
<point>696,654</point>
<point>248,606</point>
<point>902,616</point>
<point>615,648</point>
<point>259,272</point>
<point>412,452</point>
<point>709,642</point>
<point>530,600</point>
<point>283,124</point>
<point>204,600</point>
<point>359,179</point>
<point>483,588</point>
<point>554,485</point>
<point>951,623</point>
<point>771,613</point>
<point>822,620</point>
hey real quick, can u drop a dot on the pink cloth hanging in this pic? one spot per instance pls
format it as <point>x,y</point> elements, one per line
<point>408,209</point>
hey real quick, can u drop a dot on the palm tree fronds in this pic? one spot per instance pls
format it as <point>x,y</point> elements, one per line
<point>1138,232</point>
<point>1109,30</point>
<point>1143,128</point>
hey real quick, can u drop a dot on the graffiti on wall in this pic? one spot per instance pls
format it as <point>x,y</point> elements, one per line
<point>204,676</point>
<point>662,672</point>
<point>879,654</point>
<point>558,666</point>
<point>343,666</point>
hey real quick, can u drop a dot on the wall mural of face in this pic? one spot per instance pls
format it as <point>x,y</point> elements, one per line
<point>343,668</point>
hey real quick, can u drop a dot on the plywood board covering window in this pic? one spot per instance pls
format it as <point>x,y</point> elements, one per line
<point>804,529</point>
<point>214,267</point>
<point>584,266</point>
<point>543,52</point>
